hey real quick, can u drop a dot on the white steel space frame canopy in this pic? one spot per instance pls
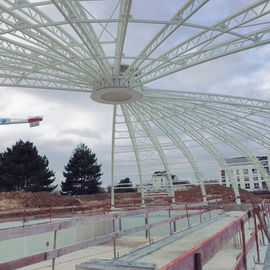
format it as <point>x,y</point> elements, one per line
<point>65,45</point>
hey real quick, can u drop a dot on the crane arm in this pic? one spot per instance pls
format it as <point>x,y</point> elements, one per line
<point>33,121</point>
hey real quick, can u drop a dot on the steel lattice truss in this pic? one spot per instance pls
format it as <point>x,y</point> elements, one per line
<point>65,45</point>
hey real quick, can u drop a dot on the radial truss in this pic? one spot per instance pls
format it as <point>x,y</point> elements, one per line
<point>86,45</point>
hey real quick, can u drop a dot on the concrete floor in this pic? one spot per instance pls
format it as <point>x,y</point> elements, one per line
<point>225,260</point>
<point>68,262</point>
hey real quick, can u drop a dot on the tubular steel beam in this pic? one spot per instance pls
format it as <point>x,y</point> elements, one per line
<point>112,155</point>
<point>147,128</point>
<point>124,13</point>
<point>179,57</point>
<point>196,136</point>
<point>163,125</point>
<point>135,148</point>
<point>181,16</point>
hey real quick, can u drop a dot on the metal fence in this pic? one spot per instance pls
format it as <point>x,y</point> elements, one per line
<point>18,232</point>
<point>28,214</point>
<point>198,256</point>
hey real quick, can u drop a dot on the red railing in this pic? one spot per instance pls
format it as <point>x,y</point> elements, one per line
<point>18,232</point>
<point>28,214</point>
<point>198,256</point>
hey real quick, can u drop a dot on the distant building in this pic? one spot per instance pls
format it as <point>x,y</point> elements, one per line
<point>160,182</point>
<point>246,176</point>
<point>211,181</point>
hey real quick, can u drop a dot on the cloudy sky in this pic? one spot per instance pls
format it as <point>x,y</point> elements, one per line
<point>72,118</point>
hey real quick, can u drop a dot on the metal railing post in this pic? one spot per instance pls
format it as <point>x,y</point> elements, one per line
<point>120,224</point>
<point>244,244</point>
<point>264,219</point>
<point>265,213</point>
<point>146,222</point>
<point>170,224</point>
<point>148,230</point>
<point>54,247</point>
<point>174,226</point>
<point>209,210</point>
<point>198,261</point>
<point>187,215</point>
<point>114,240</point>
<point>50,214</point>
<point>24,218</point>
<point>261,229</point>
<point>256,236</point>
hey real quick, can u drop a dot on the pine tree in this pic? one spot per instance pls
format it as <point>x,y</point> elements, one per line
<point>22,168</point>
<point>82,173</point>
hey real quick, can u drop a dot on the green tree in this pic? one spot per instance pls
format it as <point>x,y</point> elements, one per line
<point>125,185</point>
<point>22,168</point>
<point>82,173</point>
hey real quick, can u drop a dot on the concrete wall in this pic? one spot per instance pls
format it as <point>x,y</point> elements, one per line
<point>25,246</point>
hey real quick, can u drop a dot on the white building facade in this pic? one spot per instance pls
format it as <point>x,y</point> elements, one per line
<point>245,175</point>
<point>160,182</point>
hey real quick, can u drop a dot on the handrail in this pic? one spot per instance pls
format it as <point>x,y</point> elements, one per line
<point>32,213</point>
<point>55,226</point>
<point>11,233</point>
<point>28,214</point>
<point>208,248</point>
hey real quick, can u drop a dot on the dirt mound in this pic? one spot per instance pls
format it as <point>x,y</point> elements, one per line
<point>23,199</point>
<point>214,191</point>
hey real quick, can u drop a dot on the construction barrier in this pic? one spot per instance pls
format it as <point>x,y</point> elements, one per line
<point>198,256</point>
<point>12,233</point>
<point>28,214</point>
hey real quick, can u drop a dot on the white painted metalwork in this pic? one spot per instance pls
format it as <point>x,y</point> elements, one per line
<point>80,46</point>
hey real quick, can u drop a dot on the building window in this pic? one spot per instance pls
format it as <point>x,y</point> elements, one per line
<point>238,179</point>
<point>239,185</point>
<point>223,180</point>
<point>245,171</point>
<point>264,163</point>
<point>237,172</point>
<point>255,178</point>
<point>224,185</point>
<point>256,185</point>
<point>254,171</point>
<point>222,173</point>
<point>247,186</point>
<point>262,177</point>
<point>246,178</point>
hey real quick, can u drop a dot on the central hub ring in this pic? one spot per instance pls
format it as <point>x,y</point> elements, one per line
<point>116,95</point>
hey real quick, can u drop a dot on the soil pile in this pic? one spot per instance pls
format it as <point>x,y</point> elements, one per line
<point>23,199</point>
<point>214,191</point>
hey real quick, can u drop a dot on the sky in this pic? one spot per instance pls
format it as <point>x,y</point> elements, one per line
<point>71,118</point>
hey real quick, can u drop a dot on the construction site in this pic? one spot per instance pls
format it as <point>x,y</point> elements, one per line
<point>186,86</point>
<point>49,231</point>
